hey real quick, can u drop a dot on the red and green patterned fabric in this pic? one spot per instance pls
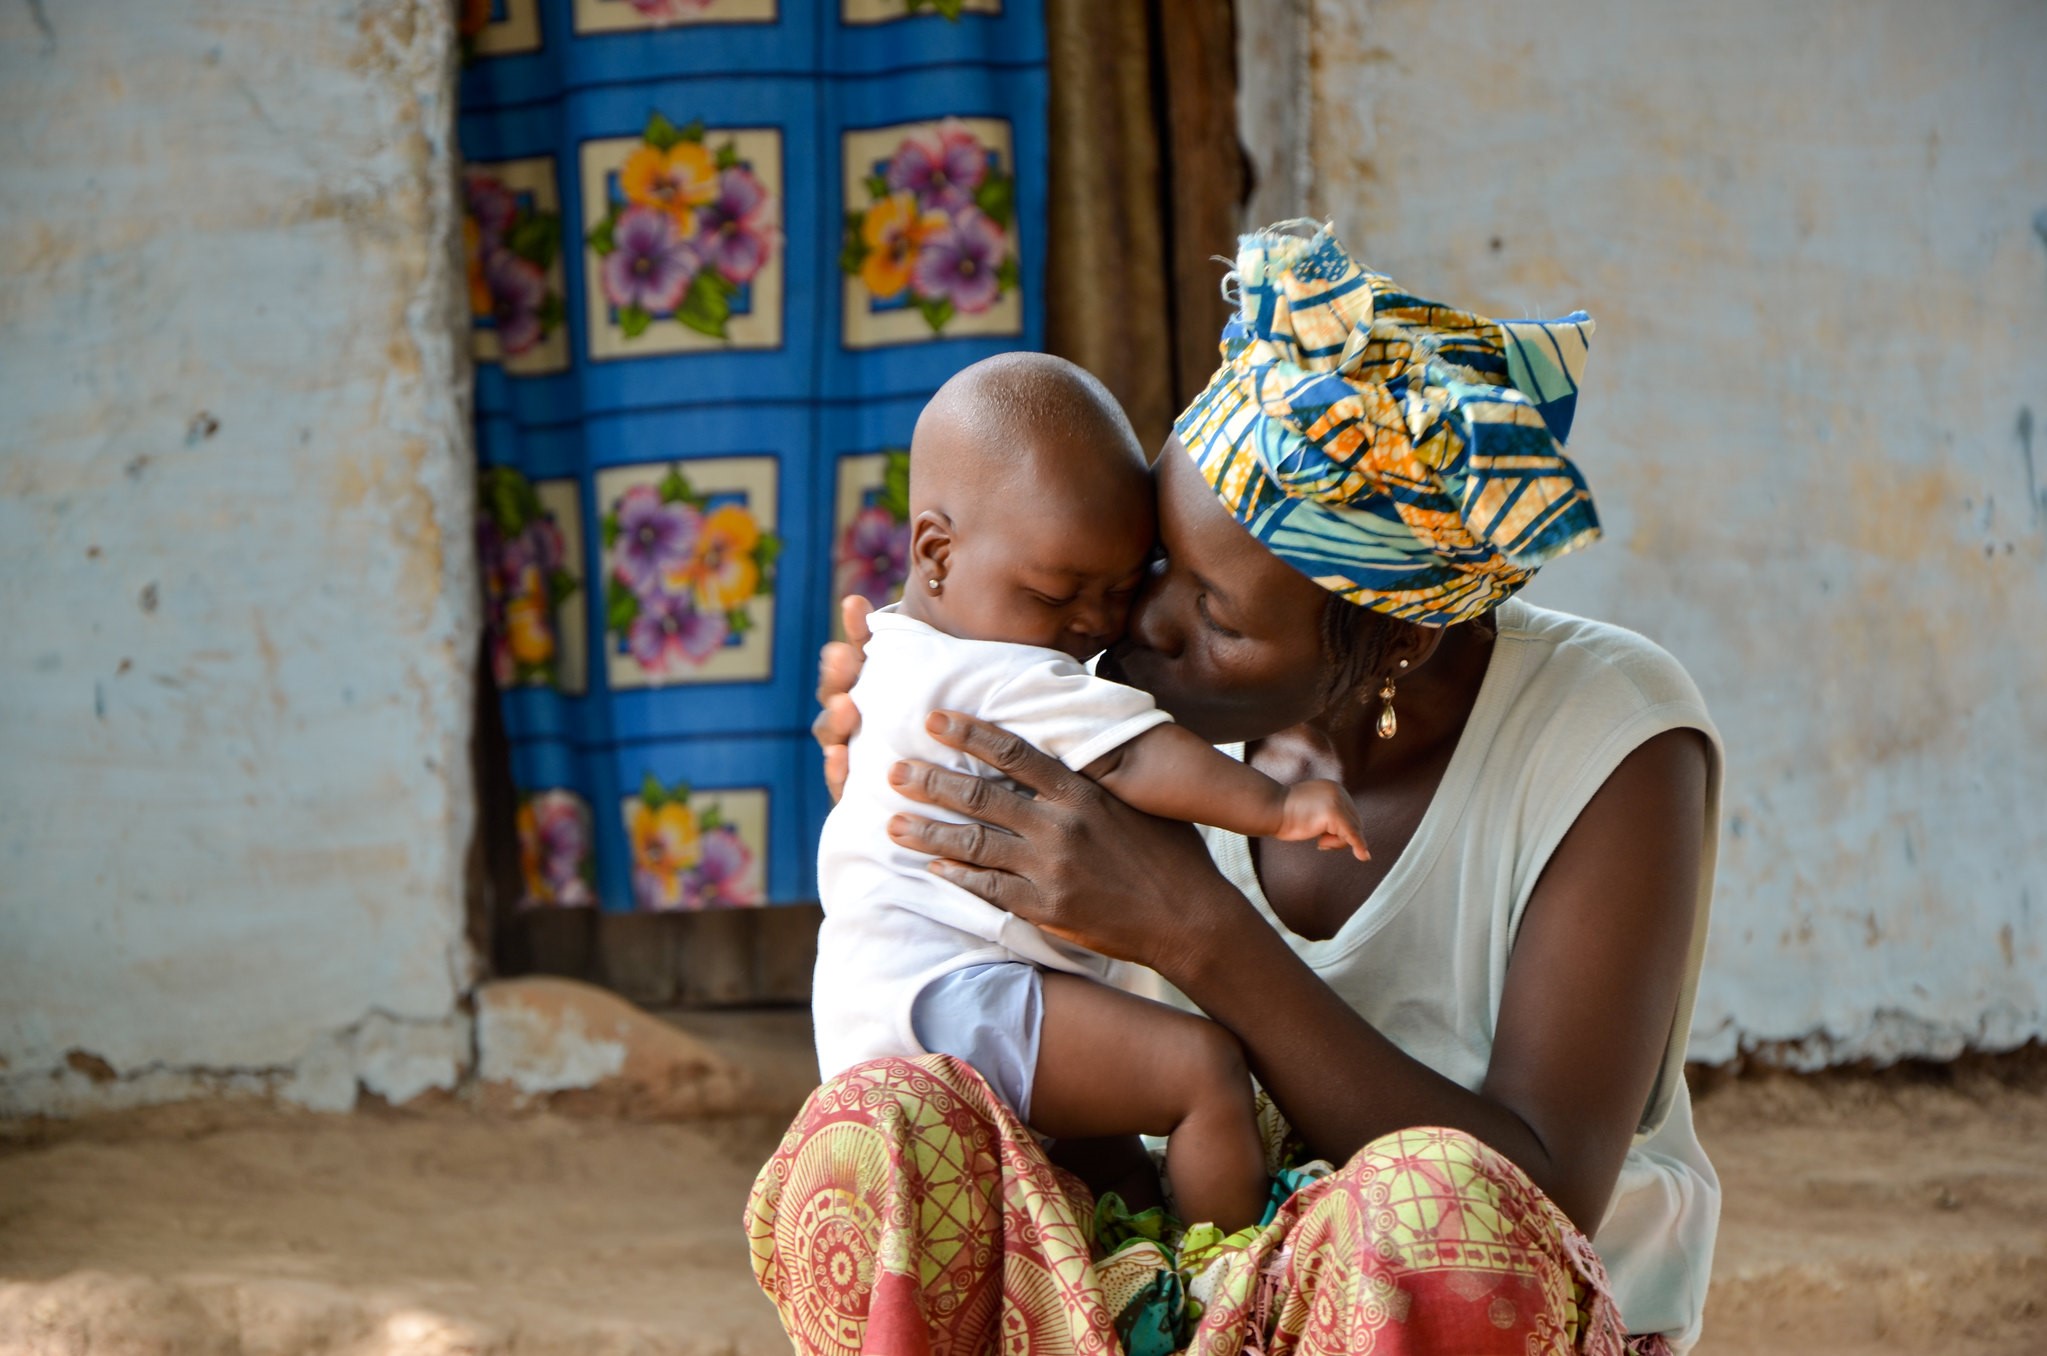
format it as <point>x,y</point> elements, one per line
<point>907,1211</point>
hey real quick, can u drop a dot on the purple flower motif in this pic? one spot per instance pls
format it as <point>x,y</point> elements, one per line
<point>668,633</point>
<point>546,540</point>
<point>668,11</point>
<point>517,291</point>
<point>652,265</point>
<point>728,238</point>
<point>564,845</point>
<point>943,167</point>
<point>874,556</point>
<point>653,538</point>
<point>959,263</point>
<point>493,207</point>
<point>719,880</point>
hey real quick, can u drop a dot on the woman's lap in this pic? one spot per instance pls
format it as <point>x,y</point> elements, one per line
<point>907,1210</point>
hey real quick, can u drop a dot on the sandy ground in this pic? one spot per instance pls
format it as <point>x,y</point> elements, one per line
<point>1885,1215</point>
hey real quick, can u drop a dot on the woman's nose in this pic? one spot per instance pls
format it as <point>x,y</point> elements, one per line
<point>1151,615</point>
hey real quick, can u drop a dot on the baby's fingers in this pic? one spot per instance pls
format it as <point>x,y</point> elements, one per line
<point>1345,837</point>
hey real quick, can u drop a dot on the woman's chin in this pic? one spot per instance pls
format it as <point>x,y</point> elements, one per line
<point>1146,671</point>
<point>1115,666</point>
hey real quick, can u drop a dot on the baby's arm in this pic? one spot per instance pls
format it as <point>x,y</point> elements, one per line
<point>1170,772</point>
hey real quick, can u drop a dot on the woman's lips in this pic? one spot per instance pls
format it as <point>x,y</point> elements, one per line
<point>1130,665</point>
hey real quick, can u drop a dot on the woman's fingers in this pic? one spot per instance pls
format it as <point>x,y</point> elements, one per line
<point>838,668</point>
<point>973,844</point>
<point>833,730</point>
<point>838,761</point>
<point>1016,758</point>
<point>1011,894</point>
<point>963,793</point>
<point>853,610</point>
<point>837,722</point>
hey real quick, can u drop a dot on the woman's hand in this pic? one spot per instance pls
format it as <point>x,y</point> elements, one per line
<point>838,667</point>
<point>1076,861</point>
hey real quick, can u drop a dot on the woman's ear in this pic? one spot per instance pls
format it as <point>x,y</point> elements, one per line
<point>930,548</point>
<point>1414,647</point>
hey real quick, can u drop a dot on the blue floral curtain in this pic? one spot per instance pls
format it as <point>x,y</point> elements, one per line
<point>720,252</point>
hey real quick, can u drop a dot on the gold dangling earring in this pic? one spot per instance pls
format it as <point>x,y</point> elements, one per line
<point>1389,724</point>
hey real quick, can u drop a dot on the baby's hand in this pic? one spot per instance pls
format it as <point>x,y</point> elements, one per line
<point>1322,811</point>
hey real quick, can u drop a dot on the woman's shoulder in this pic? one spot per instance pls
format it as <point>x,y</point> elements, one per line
<point>1580,661</point>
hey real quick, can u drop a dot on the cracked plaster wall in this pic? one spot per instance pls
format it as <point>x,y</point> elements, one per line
<point>1815,239</point>
<point>235,582</point>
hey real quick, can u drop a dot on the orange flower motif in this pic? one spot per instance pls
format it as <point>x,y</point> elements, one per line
<point>892,231</point>
<point>677,181</point>
<point>723,570</point>
<point>472,250</point>
<point>528,622</point>
<point>666,843</point>
<point>537,888</point>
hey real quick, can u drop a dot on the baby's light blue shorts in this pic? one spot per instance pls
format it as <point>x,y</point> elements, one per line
<point>991,1017</point>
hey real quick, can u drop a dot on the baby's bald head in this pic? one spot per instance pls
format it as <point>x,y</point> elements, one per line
<point>1027,483</point>
<point>1023,422</point>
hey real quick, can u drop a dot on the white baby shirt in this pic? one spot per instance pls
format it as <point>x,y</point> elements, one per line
<point>890,926</point>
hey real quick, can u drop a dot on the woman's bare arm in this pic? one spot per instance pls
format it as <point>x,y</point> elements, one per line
<point>1590,993</point>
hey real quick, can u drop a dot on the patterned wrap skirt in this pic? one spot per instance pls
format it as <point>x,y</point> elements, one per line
<point>908,1211</point>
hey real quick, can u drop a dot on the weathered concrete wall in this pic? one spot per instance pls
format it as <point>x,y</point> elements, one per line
<point>1815,239</point>
<point>235,583</point>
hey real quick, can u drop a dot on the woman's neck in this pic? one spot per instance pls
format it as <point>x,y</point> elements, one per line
<point>1432,704</point>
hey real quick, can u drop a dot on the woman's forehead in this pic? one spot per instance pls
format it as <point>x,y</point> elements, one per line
<point>1207,539</point>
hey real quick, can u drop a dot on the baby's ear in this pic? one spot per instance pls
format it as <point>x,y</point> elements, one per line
<point>930,544</point>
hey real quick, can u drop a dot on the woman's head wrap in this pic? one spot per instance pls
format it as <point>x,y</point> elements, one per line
<point>1405,456</point>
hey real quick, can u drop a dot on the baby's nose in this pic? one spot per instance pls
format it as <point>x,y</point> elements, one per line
<point>1095,622</point>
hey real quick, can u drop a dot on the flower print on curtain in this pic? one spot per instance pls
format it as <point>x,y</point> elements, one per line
<point>930,241</point>
<point>683,239</point>
<point>511,237</point>
<point>690,851</point>
<point>618,16</point>
<point>689,571</point>
<point>718,253</point>
<point>888,11</point>
<point>496,28</point>
<point>871,529</point>
<point>529,542</point>
<point>557,858</point>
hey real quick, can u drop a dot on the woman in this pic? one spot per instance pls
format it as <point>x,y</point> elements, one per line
<point>1485,1023</point>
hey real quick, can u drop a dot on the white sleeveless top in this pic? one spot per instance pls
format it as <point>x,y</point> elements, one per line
<point>1424,959</point>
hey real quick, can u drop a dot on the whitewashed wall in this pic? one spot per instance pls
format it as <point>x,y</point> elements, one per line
<point>1814,237</point>
<point>236,591</point>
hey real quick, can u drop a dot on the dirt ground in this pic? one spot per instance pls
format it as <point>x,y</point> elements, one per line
<point>1864,1215</point>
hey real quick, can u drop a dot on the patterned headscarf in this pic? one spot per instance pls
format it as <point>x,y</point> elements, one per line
<point>1403,455</point>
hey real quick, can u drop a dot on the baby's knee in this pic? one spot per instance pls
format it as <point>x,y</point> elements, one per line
<point>1215,1064</point>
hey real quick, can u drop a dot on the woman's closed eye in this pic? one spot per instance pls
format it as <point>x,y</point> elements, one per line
<point>1208,619</point>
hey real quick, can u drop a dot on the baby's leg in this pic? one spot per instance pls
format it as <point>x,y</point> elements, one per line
<point>1118,1163</point>
<point>1111,1063</point>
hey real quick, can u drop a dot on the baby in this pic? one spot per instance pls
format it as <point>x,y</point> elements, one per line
<point>1031,530</point>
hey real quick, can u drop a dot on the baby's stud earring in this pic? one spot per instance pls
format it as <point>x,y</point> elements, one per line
<point>1389,723</point>
<point>932,583</point>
